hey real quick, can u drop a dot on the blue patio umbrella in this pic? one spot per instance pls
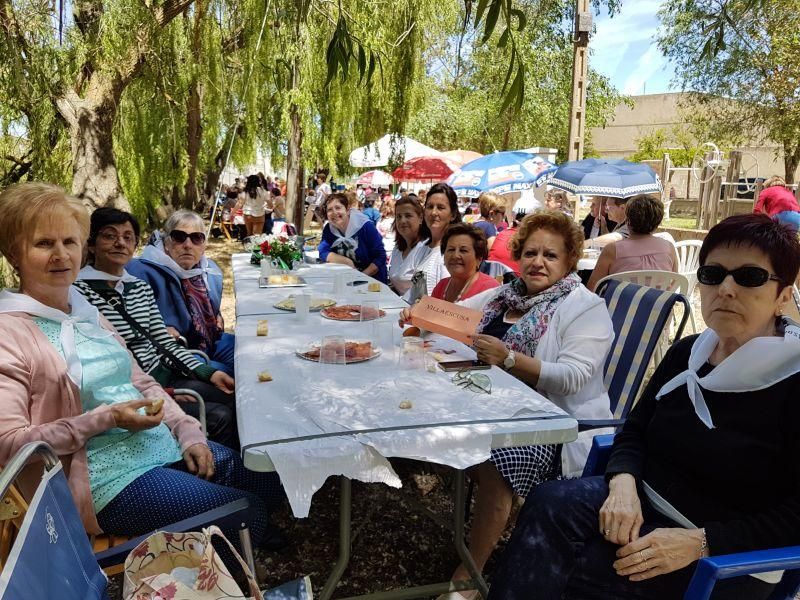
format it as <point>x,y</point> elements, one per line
<point>501,173</point>
<point>616,178</point>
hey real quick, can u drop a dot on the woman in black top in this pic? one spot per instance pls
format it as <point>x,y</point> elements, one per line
<point>707,460</point>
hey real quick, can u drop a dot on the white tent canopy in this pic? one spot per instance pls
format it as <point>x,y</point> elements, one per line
<point>377,154</point>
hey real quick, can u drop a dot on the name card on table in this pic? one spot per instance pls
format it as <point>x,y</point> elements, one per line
<point>446,318</point>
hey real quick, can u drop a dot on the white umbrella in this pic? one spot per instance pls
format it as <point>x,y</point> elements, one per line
<point>377,153</point>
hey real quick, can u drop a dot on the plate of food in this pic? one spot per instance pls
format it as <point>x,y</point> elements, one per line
<point>277,281</point>
<point>350,312</point>
<point>355,351</point>
<point>317,304</point>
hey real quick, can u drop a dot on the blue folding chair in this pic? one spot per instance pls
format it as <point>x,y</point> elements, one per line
<point>714,568</point>
<point>639,315</point>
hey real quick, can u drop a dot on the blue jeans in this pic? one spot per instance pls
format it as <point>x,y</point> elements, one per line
<point>169,494</point>
<point>557,552</point>
<point>789,218</point>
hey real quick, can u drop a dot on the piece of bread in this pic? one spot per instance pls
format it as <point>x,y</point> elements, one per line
<point>374,287</point>
<point>262,328</point>
<point>154,407</point>
<point>264,376</point>
<point>406,404</point>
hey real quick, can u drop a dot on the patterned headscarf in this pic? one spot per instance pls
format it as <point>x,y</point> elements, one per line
<point>205,331</point>
<point>538,309</point>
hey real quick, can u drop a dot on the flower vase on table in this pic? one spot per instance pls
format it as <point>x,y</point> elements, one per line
<point>278,250</point>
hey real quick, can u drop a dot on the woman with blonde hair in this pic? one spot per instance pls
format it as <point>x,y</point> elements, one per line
<point>67,378</point>
<point>778,201</point>
<point>493,211</point>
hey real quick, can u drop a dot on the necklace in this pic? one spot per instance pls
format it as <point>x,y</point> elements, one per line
<point>464,289</point>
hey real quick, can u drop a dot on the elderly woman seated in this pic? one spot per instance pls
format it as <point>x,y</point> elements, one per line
<point>187,287</point>
<point>641,251</point>
<point>351,238</point>
<point>706,463</point>
<point>464,248</point>
<point>552,333</point>
<point>129,305</point>
<point>616,210</point>
<point>136,462</point>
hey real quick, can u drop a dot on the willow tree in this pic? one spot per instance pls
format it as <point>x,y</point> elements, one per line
<point>465,105</point>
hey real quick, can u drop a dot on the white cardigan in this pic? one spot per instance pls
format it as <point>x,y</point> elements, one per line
<point>573,352</point>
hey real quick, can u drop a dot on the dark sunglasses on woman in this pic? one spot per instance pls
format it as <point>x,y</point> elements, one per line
<point>178,236</point>
<point>743,276</point>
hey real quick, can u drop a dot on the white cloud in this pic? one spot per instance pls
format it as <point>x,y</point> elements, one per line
<point>624,48</point>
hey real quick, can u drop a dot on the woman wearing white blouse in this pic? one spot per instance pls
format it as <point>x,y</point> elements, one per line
<point>409,246</point>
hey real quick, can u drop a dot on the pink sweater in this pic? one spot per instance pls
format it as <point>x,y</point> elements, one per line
<point>38,402</point>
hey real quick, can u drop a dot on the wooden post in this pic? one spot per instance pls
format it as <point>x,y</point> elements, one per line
<point>757,193</point>
<point>712,214</point>
<point>665,184</point>
<point>580,68</point>
<point>732,176</point>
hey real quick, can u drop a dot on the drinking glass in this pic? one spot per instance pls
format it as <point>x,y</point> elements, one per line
<point>412,353</point>
<point>302,304</point>
<point>340,283</point>
<point>332,350</point>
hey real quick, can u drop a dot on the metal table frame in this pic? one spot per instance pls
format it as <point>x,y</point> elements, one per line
<point>345,521</point>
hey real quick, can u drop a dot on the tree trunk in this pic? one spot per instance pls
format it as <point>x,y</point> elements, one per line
<point>294,156</point>
<point>791,159</point>
<point>95,179</point>
<point>194,124</point>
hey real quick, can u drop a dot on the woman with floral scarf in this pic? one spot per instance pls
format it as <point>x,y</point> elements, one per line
<point>548,330</point>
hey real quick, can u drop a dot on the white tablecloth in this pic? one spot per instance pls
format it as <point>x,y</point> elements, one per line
<point>315,420</point>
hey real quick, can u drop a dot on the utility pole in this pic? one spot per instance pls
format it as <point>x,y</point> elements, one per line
<point>580,70</point>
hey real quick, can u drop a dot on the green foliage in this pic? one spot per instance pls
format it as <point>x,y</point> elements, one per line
<point>746,80</point>
<point>466,108</point>
<point>680,145</point>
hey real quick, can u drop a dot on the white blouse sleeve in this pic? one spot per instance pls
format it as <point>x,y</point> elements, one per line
<point>585,340</point>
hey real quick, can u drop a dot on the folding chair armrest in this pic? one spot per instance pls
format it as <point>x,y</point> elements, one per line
<point>230,516</point>
<point>201,405</point>
<point>598,456</point>
<point>18,462</point>
<point>725,566</point>
<point>589,424</point>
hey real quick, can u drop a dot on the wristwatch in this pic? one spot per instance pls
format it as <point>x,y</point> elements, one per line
<point>510,360</point>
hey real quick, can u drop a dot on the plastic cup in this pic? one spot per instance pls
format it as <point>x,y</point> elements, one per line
<point>340,283</point>
<point>332,350</point>
<point>412,354</point>
<point>302,304</point>
<point>266,267</point>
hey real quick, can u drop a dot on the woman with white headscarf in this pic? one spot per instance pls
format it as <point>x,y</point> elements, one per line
<point>67,378</point>
<point>706,463</point>
<point>187,286</point>
<point>350,238</point>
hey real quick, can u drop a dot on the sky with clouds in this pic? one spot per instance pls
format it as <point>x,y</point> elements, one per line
<point>624,49</point>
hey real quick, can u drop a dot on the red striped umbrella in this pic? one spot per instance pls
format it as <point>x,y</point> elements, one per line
<point>425,168</point>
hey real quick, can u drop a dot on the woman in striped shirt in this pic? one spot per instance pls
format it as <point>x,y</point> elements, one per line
<point>106,284</point>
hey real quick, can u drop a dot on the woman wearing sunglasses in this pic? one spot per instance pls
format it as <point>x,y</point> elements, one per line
<point>188,287</point>
<point>706,463</point>
<point>129,305</point>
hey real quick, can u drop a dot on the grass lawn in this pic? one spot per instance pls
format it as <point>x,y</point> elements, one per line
<point>680,222</point>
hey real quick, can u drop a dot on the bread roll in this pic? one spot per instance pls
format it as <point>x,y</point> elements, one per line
<point>262,328</point>
<point>154,407</point>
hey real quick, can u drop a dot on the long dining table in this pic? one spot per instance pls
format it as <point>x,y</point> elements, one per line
<point>313,420</point>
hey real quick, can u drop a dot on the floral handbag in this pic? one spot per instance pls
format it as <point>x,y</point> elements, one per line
<point>183,566</point>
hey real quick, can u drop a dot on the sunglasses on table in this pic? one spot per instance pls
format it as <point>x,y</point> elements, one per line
<point>743,276</point>
<point>474,382</point>
<point>178,236</point>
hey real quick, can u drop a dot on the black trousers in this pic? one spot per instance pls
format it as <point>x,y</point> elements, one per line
<point>557,552</point>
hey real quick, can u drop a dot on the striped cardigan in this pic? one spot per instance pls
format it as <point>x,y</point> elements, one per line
<point>140,303</point>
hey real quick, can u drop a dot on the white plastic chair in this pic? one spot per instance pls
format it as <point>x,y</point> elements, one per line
<point>665,235</point>
<point>688,261</point>
<point>661,280</point>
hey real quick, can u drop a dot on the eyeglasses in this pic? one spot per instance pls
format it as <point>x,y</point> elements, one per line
<point>112,237</point>
<point>744,276</point>
<point>476,382</point>
<point>178,236</point>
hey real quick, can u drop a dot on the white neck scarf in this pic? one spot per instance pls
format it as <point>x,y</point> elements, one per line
<point>346,243</point>
<point>157,255</point>
<point>83,316</point>
<point>89,273</point>
<point>756,365</point>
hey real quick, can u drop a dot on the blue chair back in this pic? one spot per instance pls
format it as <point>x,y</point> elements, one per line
<point>639,315</point>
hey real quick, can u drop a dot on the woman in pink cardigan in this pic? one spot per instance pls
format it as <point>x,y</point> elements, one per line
<point>67,378</point>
